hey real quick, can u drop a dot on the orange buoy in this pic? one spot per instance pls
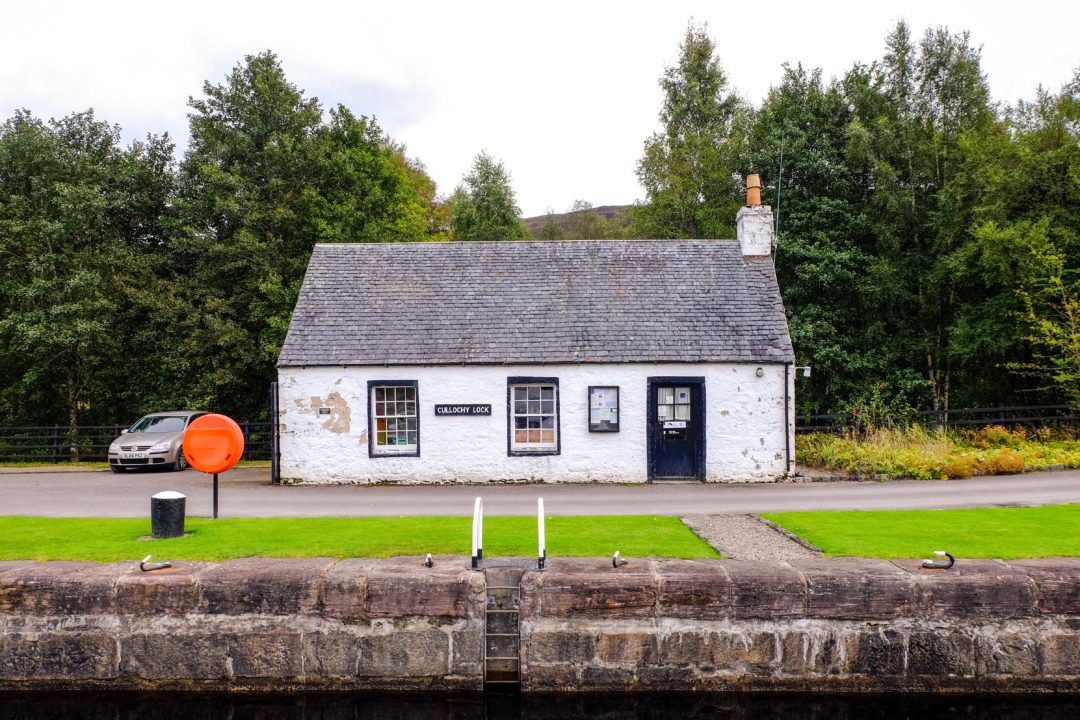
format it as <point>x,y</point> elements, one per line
<point>213,443</point>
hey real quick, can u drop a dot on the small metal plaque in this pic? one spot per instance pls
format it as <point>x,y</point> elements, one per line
<point>675,424</point>
<point>324,411</point>
<point>463,410</point>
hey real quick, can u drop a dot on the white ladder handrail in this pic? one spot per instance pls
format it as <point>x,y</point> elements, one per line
<point>541,558</point>
<point>477,533</point>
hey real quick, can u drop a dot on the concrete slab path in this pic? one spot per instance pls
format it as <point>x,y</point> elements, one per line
<point>247,492</point>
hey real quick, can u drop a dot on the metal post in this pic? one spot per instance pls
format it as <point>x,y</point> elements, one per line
<point>215,496</point>
<point>477,533</point>
<point>55,456</point>
<point>541,557</point>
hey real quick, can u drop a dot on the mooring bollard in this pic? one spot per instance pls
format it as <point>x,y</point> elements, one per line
<point>167,514</point>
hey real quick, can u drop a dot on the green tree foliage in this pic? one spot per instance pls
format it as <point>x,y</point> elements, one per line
<point>264,179</point>
<point>483,206</point>
<point>550,230</point>
<point>79,215</point>
<point>688,170</point>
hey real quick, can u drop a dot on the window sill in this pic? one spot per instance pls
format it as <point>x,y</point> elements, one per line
<point>521,452</point>
<point>391,454</point>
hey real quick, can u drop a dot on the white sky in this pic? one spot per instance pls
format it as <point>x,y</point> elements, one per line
<point>563,93</point>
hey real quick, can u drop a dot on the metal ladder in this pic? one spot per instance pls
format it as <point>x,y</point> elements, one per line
<point>502,632</point>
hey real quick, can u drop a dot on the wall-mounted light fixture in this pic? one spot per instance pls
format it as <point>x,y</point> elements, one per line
<point>759,372</point>
<point>804,370</point>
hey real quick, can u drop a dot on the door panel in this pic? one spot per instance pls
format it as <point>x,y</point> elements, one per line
<point>676,429</point>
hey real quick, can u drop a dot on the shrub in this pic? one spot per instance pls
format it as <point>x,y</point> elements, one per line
<point>1003,462</point>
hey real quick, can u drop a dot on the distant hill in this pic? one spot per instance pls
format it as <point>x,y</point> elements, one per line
<point>563,220</point>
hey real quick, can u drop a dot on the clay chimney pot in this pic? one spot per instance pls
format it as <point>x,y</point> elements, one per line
<point>753,190</point>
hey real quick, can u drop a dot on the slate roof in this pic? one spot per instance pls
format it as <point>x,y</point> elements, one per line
<point>601,301</point>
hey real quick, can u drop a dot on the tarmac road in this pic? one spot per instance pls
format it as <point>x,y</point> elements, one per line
<point>247,492</point>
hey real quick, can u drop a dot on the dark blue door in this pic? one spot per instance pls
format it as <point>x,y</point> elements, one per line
<point>676,430</point>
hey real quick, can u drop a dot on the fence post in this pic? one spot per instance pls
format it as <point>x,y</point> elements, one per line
<point>54,455</point>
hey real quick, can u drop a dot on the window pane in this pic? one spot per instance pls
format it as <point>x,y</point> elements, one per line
<point>547,422</point>
<point>381,440</point>
<point>534,393</point>
<point>663,412</point>
<point>547,436</point>
<point>521,407</point>
<point>410,393</point>
<point>682,412</point>
<point>534,407</point>
<point>547,392</point>
<point>379,408</point>
<point>380,424</point>
<point>411,423</point>
<point>667,396</point>
<point>534,436</point>
<point>412,437</point>
<point>521,393</point>
<point>547,406</point>
<point>534,422</point>
<point>378,393</point>
<point>682,395</point>
<point>521,436</point>
<point>521,422</point>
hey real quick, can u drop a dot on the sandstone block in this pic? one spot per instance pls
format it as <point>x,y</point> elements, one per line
<point>267,654</point>
<point>58,656</point>
<point>261,585</point>
<point>344,590</point>
<point>402,587</point>
<point>721,650</point>
<point>698,589</point>
<point>855,588</point>
<point>60,587</point>
<point>941,652</point>
<point>592,588</point>
<point>628,649</point>
<point>659,678</point>
<point>998,653</point>
<point>168,592</point>
<point>1061,655</point>
<point>766,590</point>
<point>330,654</point>
<point>467,656</point>
<point>875,651</point>
<point>605,679</point>
<point>972,588</point>
<point>551,678</point>
<point>1057,583</point>
<point>561,646</point>
<point>419,652</point>
<point>161,656</point>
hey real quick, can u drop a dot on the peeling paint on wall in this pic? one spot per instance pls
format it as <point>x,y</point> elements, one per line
<point>340,416</point>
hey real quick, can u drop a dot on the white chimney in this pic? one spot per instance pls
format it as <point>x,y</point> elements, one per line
<point>754,223</point>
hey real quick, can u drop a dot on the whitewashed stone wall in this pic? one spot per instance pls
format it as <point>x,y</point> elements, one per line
<point>744,418</point>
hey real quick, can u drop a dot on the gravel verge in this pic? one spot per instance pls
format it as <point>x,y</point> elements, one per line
<point>748,537</point>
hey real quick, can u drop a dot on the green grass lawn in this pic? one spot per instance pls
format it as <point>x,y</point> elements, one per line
<point>1005,533</point>
<point>101,465</point>
<point>108,540</point>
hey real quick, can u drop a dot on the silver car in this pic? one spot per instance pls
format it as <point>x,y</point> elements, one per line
<point>153,441</point>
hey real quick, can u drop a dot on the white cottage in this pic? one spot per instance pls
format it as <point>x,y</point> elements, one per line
<point>577,361</point>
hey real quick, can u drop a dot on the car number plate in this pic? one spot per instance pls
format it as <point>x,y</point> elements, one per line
<point>132,455</point>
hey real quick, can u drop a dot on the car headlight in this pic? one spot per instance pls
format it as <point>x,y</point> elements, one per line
<point>161,446</point>
<point>114,448</point>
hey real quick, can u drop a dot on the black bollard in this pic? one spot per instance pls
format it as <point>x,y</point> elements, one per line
<point>167,514</point>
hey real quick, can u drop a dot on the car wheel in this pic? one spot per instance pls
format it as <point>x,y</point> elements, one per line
<point>117,468</point>
<point>181,460</point>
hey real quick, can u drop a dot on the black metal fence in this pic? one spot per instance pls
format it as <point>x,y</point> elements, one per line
<point>60,443</point>
<point>1029,415</point>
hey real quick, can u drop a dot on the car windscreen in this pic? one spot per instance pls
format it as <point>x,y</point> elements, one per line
<point>159,424</point>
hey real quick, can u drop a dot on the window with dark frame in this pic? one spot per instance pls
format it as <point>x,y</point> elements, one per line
<point>393,425</point>
<point>533,406</point>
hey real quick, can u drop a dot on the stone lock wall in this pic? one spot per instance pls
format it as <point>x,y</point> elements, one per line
<point>821,624</point>
<point>387,625</point>
<point>652,625</point>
